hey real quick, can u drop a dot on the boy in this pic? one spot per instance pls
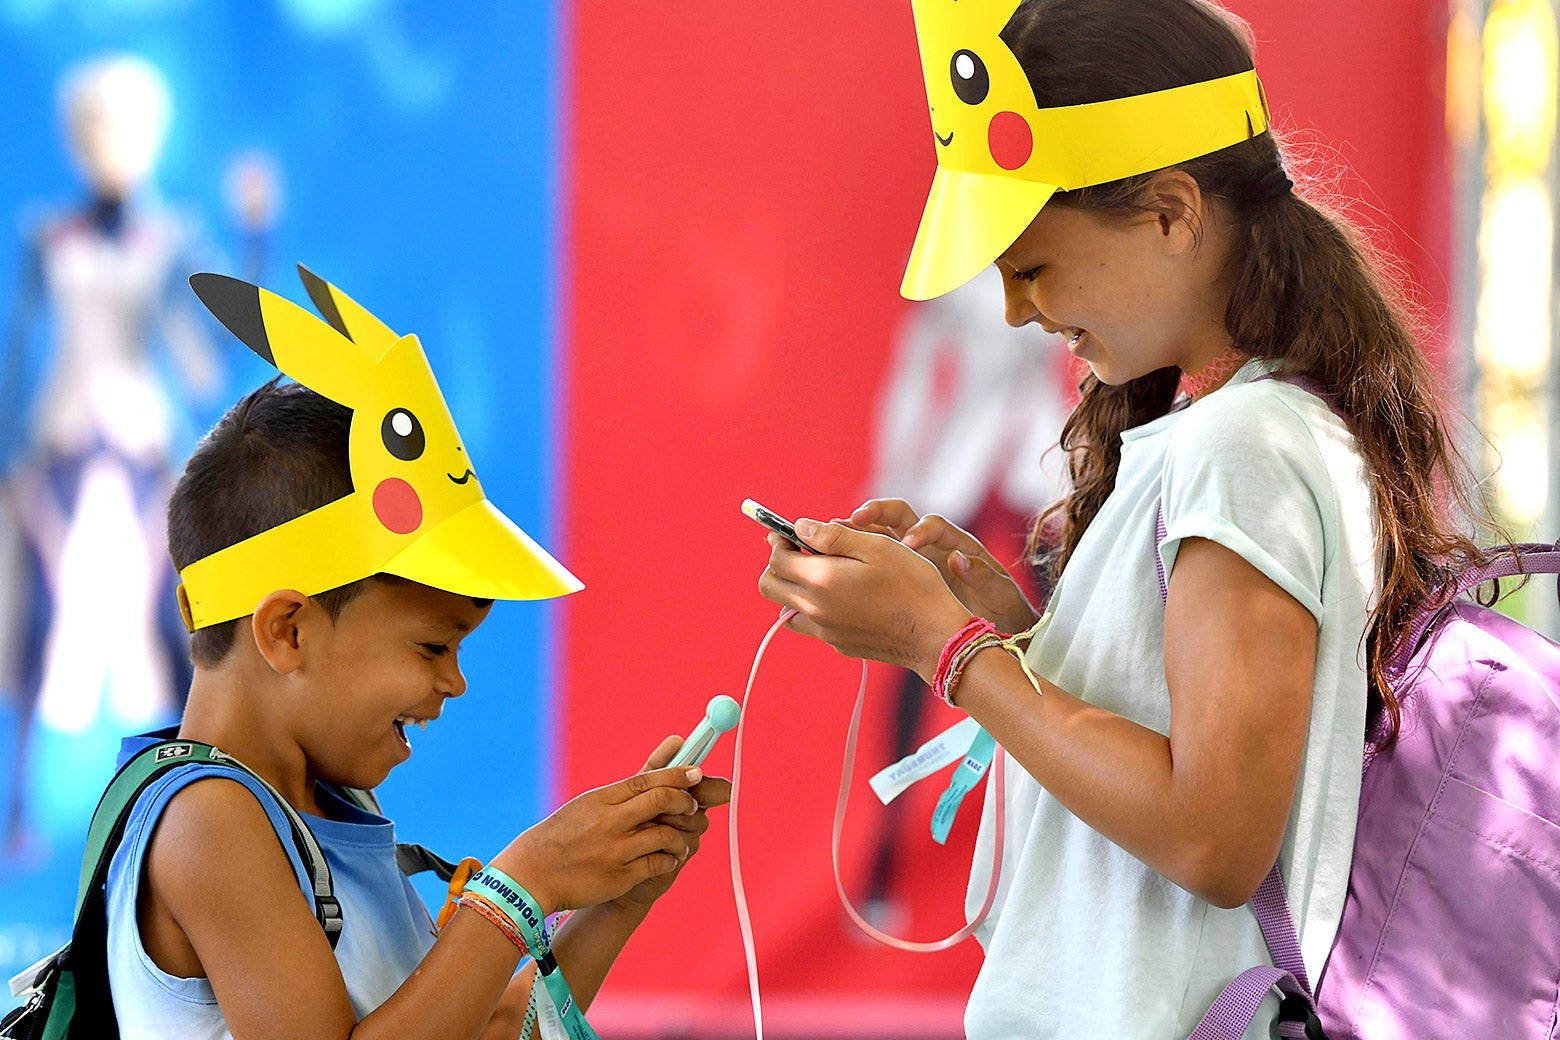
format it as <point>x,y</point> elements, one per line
<point>335,549</point>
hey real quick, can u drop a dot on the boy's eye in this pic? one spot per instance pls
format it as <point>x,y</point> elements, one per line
<point>437,649</point>
<point>403,435</point>
<point>971,82</point>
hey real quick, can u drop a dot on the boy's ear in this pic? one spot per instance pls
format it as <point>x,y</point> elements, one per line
<point>275,629</point>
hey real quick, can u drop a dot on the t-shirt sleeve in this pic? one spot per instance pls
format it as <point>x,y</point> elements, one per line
<point>1243,470</point>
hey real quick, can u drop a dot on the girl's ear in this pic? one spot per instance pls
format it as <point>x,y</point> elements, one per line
<point>1176,199</point>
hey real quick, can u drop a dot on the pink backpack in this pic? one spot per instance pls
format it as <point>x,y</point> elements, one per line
<point>1451,928</point>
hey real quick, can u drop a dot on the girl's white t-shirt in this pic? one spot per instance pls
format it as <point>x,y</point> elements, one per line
<point>1084,940</point>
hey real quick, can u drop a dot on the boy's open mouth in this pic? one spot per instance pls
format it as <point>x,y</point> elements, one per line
<point>405,720</point>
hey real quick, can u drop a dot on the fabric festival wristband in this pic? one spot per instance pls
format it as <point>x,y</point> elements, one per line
<point>505,893</point>
<point>527,915</point>
<point>936,754</point>
<point>974,766</point>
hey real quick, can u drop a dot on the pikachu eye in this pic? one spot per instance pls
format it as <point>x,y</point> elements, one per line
<point>971,81</point>
<point>403,435</point>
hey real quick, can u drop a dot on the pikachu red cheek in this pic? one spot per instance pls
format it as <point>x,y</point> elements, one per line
<point>397,506</point>
<point>1010,139</point>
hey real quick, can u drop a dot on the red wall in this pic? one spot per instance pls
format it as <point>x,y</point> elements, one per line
<point>742,186</point>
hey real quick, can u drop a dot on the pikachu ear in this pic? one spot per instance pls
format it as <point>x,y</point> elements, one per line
<point>289,337</point>
<point>348,317</point>
<point>235,304</point>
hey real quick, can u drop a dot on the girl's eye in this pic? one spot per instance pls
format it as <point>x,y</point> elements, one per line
<point>971,81</point>
<point>1029,275</point>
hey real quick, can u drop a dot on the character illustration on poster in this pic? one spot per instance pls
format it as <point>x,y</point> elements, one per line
<point>105,357</point>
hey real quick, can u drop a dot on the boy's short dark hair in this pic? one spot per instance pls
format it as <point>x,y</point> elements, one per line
<point>279,453</point>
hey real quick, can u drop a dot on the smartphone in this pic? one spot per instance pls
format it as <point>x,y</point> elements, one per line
<point>776,523</point>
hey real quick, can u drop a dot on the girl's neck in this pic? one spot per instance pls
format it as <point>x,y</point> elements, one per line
<point>1212,374</point>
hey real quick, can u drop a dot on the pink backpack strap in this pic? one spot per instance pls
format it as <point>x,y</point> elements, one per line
<point>1501,561</point>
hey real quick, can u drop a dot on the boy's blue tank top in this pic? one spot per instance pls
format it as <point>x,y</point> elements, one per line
<point>386,928</point>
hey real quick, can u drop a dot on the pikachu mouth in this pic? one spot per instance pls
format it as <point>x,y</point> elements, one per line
<point>944,141</point>
<point>463,478</point>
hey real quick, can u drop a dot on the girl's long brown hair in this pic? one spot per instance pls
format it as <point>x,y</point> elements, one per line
<point>1305,293</point>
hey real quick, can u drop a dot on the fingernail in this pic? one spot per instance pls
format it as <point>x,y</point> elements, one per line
<point>807,528</point>
<point>695,774</point>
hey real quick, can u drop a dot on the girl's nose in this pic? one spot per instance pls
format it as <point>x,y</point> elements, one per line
<point>1018,308</point>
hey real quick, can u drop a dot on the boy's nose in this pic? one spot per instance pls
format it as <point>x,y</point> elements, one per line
<point>453,682</point>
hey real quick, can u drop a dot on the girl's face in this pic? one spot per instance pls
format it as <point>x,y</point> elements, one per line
<point>1130,295</point>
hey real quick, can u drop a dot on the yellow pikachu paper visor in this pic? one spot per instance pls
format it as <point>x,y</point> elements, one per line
<point>417,508</point>
<point>479,552</point>
<point>969,221</point>
<point>1000,158</point>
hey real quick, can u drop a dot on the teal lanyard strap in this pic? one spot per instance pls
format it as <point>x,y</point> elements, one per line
<point>976,761</point>
<point>526,913</point>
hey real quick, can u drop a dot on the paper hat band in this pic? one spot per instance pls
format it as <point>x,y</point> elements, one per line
<point>1000,157</point>
<point>416,510</point>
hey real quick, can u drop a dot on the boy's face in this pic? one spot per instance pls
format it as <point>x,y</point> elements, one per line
<point>389,661</point>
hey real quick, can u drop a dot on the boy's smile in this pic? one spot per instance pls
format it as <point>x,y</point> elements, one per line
<point>388,661</point>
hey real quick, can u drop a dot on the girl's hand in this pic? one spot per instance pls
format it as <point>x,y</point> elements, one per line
<point>603,843</point>
<point>866,596</point>
<point>709,792</point>
<point>981,583</point>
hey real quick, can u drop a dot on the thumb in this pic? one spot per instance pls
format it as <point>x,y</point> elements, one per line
<point>973,572</point>
<point>828,539</point>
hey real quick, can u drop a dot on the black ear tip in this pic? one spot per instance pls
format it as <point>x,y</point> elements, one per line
<point>319,291</point>
<point>235,304</point>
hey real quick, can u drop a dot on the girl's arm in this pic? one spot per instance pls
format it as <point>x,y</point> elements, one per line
<point>1205,806</point>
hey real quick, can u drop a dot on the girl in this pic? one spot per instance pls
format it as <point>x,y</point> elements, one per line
<point>1233,560</point>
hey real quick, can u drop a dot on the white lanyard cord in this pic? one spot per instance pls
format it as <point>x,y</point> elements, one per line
<point>745,921</point>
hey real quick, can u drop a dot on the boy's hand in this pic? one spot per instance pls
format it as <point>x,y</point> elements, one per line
<point>710,791</point>
<point>604,842</point>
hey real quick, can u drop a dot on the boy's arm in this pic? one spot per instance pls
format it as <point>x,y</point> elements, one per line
<point>221,899</point>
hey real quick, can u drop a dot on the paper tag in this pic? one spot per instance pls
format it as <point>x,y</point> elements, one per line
<point>974,766</point>
<point>24,983</point>
<point>938,753</point>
